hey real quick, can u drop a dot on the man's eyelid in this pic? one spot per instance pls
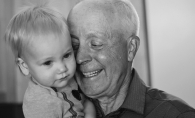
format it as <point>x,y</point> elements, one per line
<point>95,42</point>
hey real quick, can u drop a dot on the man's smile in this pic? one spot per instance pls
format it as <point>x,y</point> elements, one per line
<point>91,74</point>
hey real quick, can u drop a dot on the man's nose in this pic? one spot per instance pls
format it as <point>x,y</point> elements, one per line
<point>83,55</point>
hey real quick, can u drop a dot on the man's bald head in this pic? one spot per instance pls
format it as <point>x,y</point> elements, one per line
<point>120,15</point>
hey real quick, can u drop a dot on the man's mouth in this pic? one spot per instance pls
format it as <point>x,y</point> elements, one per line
<point>91,74</point>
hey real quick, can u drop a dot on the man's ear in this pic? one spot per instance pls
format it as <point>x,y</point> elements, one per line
<point>23,66</point>
<point>133,45</point>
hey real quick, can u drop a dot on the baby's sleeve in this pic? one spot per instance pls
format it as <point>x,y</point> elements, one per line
<point>44,106</point>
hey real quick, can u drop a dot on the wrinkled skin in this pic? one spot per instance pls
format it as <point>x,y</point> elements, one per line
<point>99,49</point>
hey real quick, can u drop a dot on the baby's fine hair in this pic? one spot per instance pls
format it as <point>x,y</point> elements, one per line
<point>33,21</point>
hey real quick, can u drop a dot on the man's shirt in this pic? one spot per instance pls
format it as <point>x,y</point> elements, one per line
<point>144,102</point>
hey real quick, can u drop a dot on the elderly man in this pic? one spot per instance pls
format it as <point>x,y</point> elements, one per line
<point>105,39</point>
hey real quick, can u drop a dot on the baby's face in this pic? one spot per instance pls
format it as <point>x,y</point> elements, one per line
<point>50,60</point>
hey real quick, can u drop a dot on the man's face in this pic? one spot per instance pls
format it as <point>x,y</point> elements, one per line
<point>101,54</point>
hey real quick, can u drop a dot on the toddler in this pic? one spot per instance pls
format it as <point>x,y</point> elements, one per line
<point>41,43</point>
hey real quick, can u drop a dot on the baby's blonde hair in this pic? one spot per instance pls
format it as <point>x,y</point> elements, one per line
<point>33,21</point>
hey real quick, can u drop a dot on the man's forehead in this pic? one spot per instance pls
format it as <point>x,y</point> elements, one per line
<point>90,24</point>
<point>93,16</point>
<point>93,6</point>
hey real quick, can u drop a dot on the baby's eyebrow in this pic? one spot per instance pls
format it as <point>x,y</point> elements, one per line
<point>45,60</point>
<point>69,50</point>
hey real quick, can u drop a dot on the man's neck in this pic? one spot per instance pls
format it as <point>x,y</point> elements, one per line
<point>110,104</point>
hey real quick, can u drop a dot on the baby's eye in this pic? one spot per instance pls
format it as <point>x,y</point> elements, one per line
<point>67,55</point>
<point>47,63</point>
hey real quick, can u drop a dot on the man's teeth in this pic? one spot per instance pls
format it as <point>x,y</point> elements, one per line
<point>91,74</point>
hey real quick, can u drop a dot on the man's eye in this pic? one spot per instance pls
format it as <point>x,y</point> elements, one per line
<point>47,63</point>
<point>96,45</point>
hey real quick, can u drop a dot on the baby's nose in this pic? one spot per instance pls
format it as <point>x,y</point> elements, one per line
<point>62,68</point>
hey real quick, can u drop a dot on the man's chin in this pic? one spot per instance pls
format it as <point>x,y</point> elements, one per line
<point>92,92</point>
<point>92,86</point>
<point>94,96</point>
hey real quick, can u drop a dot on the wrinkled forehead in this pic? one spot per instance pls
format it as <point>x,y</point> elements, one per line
<point>93,8</point>
<point>100,6</point>
<point>93,14</point>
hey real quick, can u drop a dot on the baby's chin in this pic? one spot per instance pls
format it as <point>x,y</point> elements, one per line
<point>60,84</point>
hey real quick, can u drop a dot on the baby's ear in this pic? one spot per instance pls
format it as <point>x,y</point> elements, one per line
<point>23,66</point>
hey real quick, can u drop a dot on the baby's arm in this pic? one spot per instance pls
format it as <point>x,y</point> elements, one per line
<point>89,109</point>
<point>44,106</point>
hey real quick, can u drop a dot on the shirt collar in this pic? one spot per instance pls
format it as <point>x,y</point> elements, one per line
<point>135,99</point>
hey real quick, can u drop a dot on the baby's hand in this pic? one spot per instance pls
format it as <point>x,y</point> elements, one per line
<point>89,109</point>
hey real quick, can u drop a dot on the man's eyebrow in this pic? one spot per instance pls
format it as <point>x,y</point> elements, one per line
<point>97,34</point>
<point>90,35</point>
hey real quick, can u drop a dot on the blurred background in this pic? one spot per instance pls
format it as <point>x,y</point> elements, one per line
<point>165,59</point>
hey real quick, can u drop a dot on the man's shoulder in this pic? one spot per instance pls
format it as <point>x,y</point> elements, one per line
<point>160,102</point>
